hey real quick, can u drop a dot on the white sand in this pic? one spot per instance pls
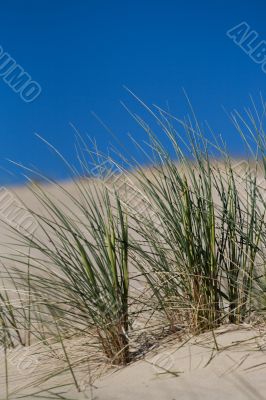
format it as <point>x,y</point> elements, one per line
<point>236,372</point>
<point>192,370</point>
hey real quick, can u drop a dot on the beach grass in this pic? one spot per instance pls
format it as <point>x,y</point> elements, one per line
<point>198,247</point>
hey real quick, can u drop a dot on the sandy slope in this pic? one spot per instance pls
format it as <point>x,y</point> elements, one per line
<point>232,368</point>
<point>236,372</point>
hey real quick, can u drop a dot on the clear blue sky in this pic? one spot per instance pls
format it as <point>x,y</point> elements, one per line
<point>83,52</point>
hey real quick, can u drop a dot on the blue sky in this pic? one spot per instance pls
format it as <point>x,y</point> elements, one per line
<point>83,52</point>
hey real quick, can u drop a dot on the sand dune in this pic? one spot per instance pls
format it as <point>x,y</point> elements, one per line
<point>230,363</point>
<point>231,366</point>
